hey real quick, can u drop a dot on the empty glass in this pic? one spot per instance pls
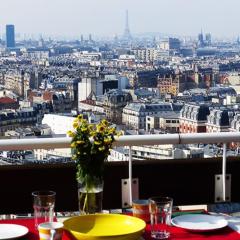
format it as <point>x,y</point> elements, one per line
<point>160,209</point>
<point>43,205</point>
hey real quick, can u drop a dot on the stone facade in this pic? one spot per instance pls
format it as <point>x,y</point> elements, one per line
<point>193,118</point>
<point>134,114</point>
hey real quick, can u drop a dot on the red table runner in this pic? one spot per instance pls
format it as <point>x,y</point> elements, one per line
<point>176,233</point>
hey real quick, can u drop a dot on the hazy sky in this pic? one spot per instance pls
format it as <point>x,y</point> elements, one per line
<point>107,17</point>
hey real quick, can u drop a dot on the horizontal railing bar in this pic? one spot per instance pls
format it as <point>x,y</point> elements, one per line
<point>126,140</point>
<point>184,138</point>
<point>34,143</point>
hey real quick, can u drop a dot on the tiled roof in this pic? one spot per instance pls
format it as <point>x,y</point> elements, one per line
<point>6,100</point>
<point>149,107</point>
<point>196,112</point>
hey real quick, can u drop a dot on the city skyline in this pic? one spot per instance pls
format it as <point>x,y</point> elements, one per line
<point>107,18</point>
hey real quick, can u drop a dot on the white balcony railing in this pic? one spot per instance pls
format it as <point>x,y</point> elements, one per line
<point>133,140</point>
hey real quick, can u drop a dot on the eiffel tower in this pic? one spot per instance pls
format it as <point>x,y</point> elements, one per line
<point>127,34</point>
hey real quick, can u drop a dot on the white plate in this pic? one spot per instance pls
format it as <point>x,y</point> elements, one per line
<point>199,222</point>
<point>11,231</point>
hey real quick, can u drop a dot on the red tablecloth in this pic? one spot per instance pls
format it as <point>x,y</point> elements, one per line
<point>33,233</point>
<point>176,233</point>
<point>181,234</point>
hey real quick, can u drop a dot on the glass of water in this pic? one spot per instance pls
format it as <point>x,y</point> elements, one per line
<point>43,205</point>
<point>160,209</point>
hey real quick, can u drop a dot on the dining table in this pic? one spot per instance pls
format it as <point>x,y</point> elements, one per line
<point>230,232</point>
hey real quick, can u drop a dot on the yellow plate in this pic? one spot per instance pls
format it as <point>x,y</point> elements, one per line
<point>105,226</point>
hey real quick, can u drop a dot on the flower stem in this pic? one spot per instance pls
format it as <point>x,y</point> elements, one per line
<point>85,202</point>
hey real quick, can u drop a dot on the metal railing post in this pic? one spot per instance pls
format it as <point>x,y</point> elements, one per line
<point>224,159</point>
<point>130,175</point>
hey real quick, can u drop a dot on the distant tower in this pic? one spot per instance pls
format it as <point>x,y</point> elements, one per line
<point>115,38</point>
<point>90,38</point>
<point>238,40</point>
<point>200,39</point>
<point>154,41</point>
<point>41,41</point>
<point>127,34</point>
<point>208,39</point>
<point>10,36</point>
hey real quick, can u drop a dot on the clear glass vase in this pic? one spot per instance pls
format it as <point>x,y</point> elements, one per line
<point>90,196</point>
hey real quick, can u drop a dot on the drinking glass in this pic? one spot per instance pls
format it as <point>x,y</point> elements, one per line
<point>160,209</point>
<point>140,209</point>
<point>43,205</point>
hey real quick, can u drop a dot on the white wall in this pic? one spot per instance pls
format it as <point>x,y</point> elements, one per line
<point>87,86</point>
<point>58,124</point>
<point>84,88</point>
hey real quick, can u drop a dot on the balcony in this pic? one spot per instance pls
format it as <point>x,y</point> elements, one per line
<point>188,181</point>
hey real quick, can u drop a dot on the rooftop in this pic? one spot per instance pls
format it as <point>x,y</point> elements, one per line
<point>7,100</point>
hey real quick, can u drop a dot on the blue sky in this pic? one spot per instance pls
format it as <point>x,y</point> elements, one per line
<point>106,17</point>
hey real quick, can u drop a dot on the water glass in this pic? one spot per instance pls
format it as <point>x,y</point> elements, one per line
<point>160,209</point>
<point>43,205</point>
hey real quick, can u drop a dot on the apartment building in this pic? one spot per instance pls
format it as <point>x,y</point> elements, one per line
<point>166,122</point>
<point>193,118</point>
<point>134,114</point>
<point>219,120</point>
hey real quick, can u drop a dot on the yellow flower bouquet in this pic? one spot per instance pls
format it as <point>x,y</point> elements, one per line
<point>91,144</point>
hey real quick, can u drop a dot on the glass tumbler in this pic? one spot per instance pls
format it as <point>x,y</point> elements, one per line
<point>160,209</point>
<point>43,205</point>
